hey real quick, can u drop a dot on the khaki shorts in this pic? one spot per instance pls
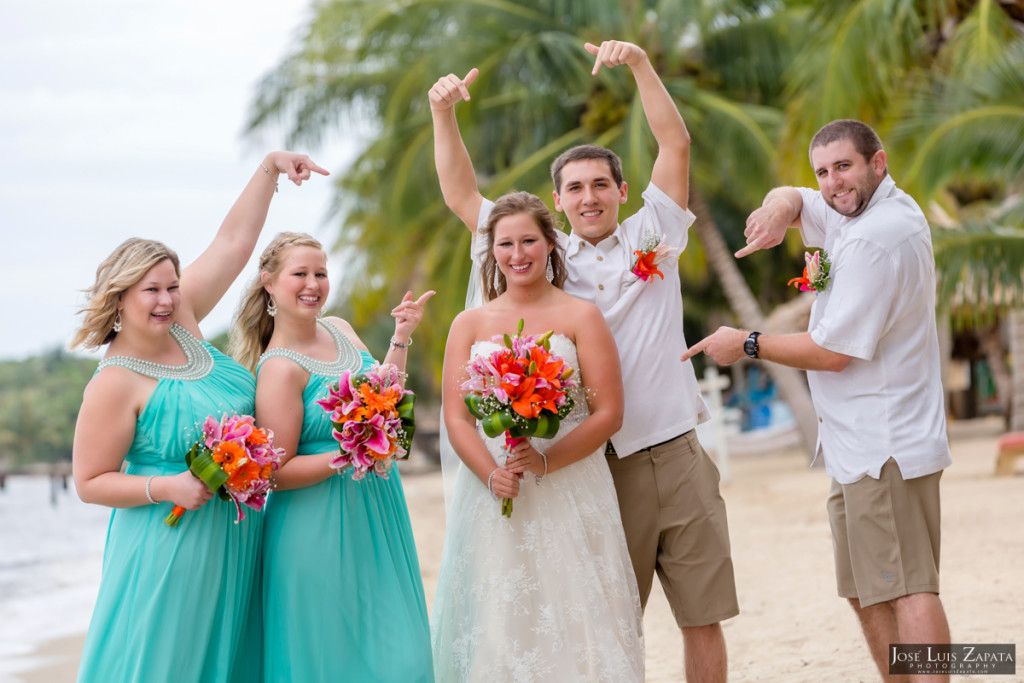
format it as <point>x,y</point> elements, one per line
<point>885,534</point>
<point>675,524</point>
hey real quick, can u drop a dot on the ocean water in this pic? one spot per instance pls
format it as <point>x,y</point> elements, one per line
<point>51,553</point>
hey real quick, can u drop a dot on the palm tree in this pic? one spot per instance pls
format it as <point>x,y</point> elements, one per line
<point>722,61</point>
<point>966,131</point>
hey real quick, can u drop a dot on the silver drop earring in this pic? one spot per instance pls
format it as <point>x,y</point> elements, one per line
<point>117,322</point>
<point>271,306</point>
<point>551,271</point>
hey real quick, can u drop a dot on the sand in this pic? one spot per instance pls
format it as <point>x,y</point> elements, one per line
<point>792,627</point>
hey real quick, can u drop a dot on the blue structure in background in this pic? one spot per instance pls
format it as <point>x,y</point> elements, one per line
<point>759,403</point>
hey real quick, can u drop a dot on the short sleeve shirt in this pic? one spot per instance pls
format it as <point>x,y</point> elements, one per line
<point>878,308</point>
<point>645,317</point>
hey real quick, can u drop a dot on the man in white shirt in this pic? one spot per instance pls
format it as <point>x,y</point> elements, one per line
<point>672,511</point>
<point>872,357</point>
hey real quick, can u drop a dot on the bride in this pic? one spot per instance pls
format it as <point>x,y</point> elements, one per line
<point>548,594</point>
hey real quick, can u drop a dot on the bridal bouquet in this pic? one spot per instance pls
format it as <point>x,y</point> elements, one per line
<point>373,420</point>
<point>816,272</point>
<point>521,389</point>
<point>235,460</point>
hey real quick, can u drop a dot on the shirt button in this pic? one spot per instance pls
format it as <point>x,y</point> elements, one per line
<point>819,419</point>
<point>601,287</point>
<point>600,258</point>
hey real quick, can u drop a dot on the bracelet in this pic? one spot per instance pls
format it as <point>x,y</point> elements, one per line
<point>399,345</point>
<point>276,188</point>
<point>149,495</point>
<point>489,478</point>
<point>545,457</point>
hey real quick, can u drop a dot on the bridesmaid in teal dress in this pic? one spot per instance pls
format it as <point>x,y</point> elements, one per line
<point>342,593</point>
<point>174,604</point>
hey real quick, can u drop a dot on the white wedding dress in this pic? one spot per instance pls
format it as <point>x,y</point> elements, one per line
<point>548,595</point>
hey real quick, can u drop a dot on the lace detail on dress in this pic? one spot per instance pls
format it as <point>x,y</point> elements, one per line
<point>548,595</point>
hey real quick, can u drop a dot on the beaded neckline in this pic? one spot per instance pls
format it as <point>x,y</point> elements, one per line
<point>348,355</point>
<point>198,364</point>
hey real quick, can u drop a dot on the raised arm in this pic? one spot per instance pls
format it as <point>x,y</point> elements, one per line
<point>454,166</point>
<point>206,279</point>
<point>672,167</point>
<point>767,225</point>
<point>407,315</point>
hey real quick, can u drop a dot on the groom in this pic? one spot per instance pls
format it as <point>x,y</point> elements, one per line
<point>673,514</point>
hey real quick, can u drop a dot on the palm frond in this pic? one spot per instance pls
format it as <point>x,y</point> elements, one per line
<point>969,126</point>
<point>856,64</point>
<point>979,267</point>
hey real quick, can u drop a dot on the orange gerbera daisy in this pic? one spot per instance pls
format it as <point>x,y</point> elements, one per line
<point>257,437</point>
<point>227,453</point>
<point>244,474</point>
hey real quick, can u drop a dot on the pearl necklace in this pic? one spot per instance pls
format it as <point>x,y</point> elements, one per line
<point>198,365</point>
<point>348,358</point>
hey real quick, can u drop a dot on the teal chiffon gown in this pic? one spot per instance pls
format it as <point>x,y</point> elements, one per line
<point>177,604</point>
<point>342,593</point>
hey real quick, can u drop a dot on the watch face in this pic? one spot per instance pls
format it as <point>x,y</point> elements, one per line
<point>750,347</point>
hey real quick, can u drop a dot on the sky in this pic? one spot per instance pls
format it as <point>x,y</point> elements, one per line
<point>121,118</point>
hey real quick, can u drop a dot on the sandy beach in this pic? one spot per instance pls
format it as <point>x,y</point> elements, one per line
<point>792,627</point>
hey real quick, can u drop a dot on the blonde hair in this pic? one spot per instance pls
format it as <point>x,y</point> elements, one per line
<point>512,204</point>
<point>126,266</point>
<point>253,326</point>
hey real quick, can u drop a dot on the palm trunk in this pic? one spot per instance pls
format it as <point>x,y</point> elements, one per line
<point>1015,322</point>
<point>792,383</point>
<point>995,354</point>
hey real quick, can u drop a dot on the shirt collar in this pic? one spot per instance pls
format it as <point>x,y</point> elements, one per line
<point>576,243</point>
<point>884,189</point>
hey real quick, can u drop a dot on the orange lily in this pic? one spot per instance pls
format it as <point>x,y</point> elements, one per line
<point>646,267</point>
<point>525,399</point>
<point>803,283</point>
<point>380,403</point>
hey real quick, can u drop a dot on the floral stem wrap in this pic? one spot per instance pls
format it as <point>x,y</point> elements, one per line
<point>235,460</point>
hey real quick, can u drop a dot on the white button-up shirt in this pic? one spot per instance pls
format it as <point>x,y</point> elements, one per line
<point>646,319</point>
<point>879,308</point>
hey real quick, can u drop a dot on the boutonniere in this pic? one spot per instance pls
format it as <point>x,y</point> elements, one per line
<point>652,252</point>
<point>816,272</point>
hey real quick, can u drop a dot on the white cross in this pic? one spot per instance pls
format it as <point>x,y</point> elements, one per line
<point>711,386</point>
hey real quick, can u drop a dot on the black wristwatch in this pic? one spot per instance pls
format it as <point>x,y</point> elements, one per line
<point>750,346</point>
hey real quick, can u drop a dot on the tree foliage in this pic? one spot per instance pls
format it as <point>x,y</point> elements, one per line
<point>39,402</point>
<point>723,62</point>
